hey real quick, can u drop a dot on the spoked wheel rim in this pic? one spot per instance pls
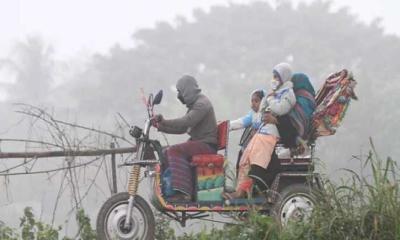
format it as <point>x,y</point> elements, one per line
<point>296,208</point>
<point>115,223</point>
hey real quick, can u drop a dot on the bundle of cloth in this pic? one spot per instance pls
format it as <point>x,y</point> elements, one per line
<point>332,101</point>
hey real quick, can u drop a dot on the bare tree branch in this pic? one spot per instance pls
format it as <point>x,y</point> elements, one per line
<point>51,170</point>
<point>59,194</point>
<point>18,165</point>
<point>64,139</point>
<point>39,115</point>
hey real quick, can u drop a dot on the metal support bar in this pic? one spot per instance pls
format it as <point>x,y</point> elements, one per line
<point>183,216</point>
<point>139,162</point>
<point>75,153</point>
<point>197,215</point>
<point>114,170</point>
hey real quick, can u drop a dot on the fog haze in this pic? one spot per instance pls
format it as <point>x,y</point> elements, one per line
<point>86,62</point>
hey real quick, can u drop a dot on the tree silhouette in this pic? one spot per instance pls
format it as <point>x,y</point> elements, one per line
<point>232,49</point>
<point>32,62</point>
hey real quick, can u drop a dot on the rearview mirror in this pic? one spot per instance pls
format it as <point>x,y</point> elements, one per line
<point>158,97</point>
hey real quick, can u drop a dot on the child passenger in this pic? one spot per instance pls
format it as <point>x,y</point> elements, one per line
<point>251,121</point>
<point>253,118</point>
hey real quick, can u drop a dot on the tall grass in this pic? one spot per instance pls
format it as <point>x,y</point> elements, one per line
<point>363,205</point>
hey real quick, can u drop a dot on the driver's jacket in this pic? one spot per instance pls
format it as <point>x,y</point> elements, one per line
<point>199,122</point>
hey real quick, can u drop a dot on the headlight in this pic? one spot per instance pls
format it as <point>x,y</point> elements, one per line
<point>135,132</point>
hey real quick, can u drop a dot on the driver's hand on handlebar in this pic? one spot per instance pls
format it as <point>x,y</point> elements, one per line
<point>156,119</point>
<point>269,118</point>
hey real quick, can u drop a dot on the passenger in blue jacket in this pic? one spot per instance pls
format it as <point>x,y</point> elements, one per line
<point>253,118</point>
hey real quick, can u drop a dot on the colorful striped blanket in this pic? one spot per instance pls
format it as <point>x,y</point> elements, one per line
<point>332,102</point>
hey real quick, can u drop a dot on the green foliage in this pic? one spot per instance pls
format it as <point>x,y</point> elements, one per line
<point>256,226</point>
<point>33,229</point>
<point>85,229</point>
<point>7,233</point>
<point>163,228</point>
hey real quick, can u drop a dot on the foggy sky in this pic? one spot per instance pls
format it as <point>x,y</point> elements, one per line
<point>102,23</point>
<point>84,27</point>
<point>79,28</point>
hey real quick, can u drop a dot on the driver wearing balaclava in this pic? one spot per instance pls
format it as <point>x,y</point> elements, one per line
<point>201,125</point>
<point>199,121</point>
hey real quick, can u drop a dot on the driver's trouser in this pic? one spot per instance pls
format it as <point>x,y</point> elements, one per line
<point>179,157</point>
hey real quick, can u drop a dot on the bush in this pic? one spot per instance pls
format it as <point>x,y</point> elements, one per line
<point>33,229</point>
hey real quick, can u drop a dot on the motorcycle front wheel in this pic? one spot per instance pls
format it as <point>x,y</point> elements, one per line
<point>112,216</point>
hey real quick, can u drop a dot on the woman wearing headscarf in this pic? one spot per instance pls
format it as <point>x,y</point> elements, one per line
<point>257,154</point>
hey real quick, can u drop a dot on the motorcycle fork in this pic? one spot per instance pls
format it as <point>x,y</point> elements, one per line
<point>133,185</point>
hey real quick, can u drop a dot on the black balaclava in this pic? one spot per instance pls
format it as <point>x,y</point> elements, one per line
<point>188,90</point>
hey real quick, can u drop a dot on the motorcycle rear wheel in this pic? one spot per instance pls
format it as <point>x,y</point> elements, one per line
<point>295,204</point>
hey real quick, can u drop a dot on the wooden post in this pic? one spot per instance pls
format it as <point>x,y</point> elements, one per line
<point>114,170</point>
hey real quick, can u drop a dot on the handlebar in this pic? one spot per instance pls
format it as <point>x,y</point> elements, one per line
<point>149,103</point>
